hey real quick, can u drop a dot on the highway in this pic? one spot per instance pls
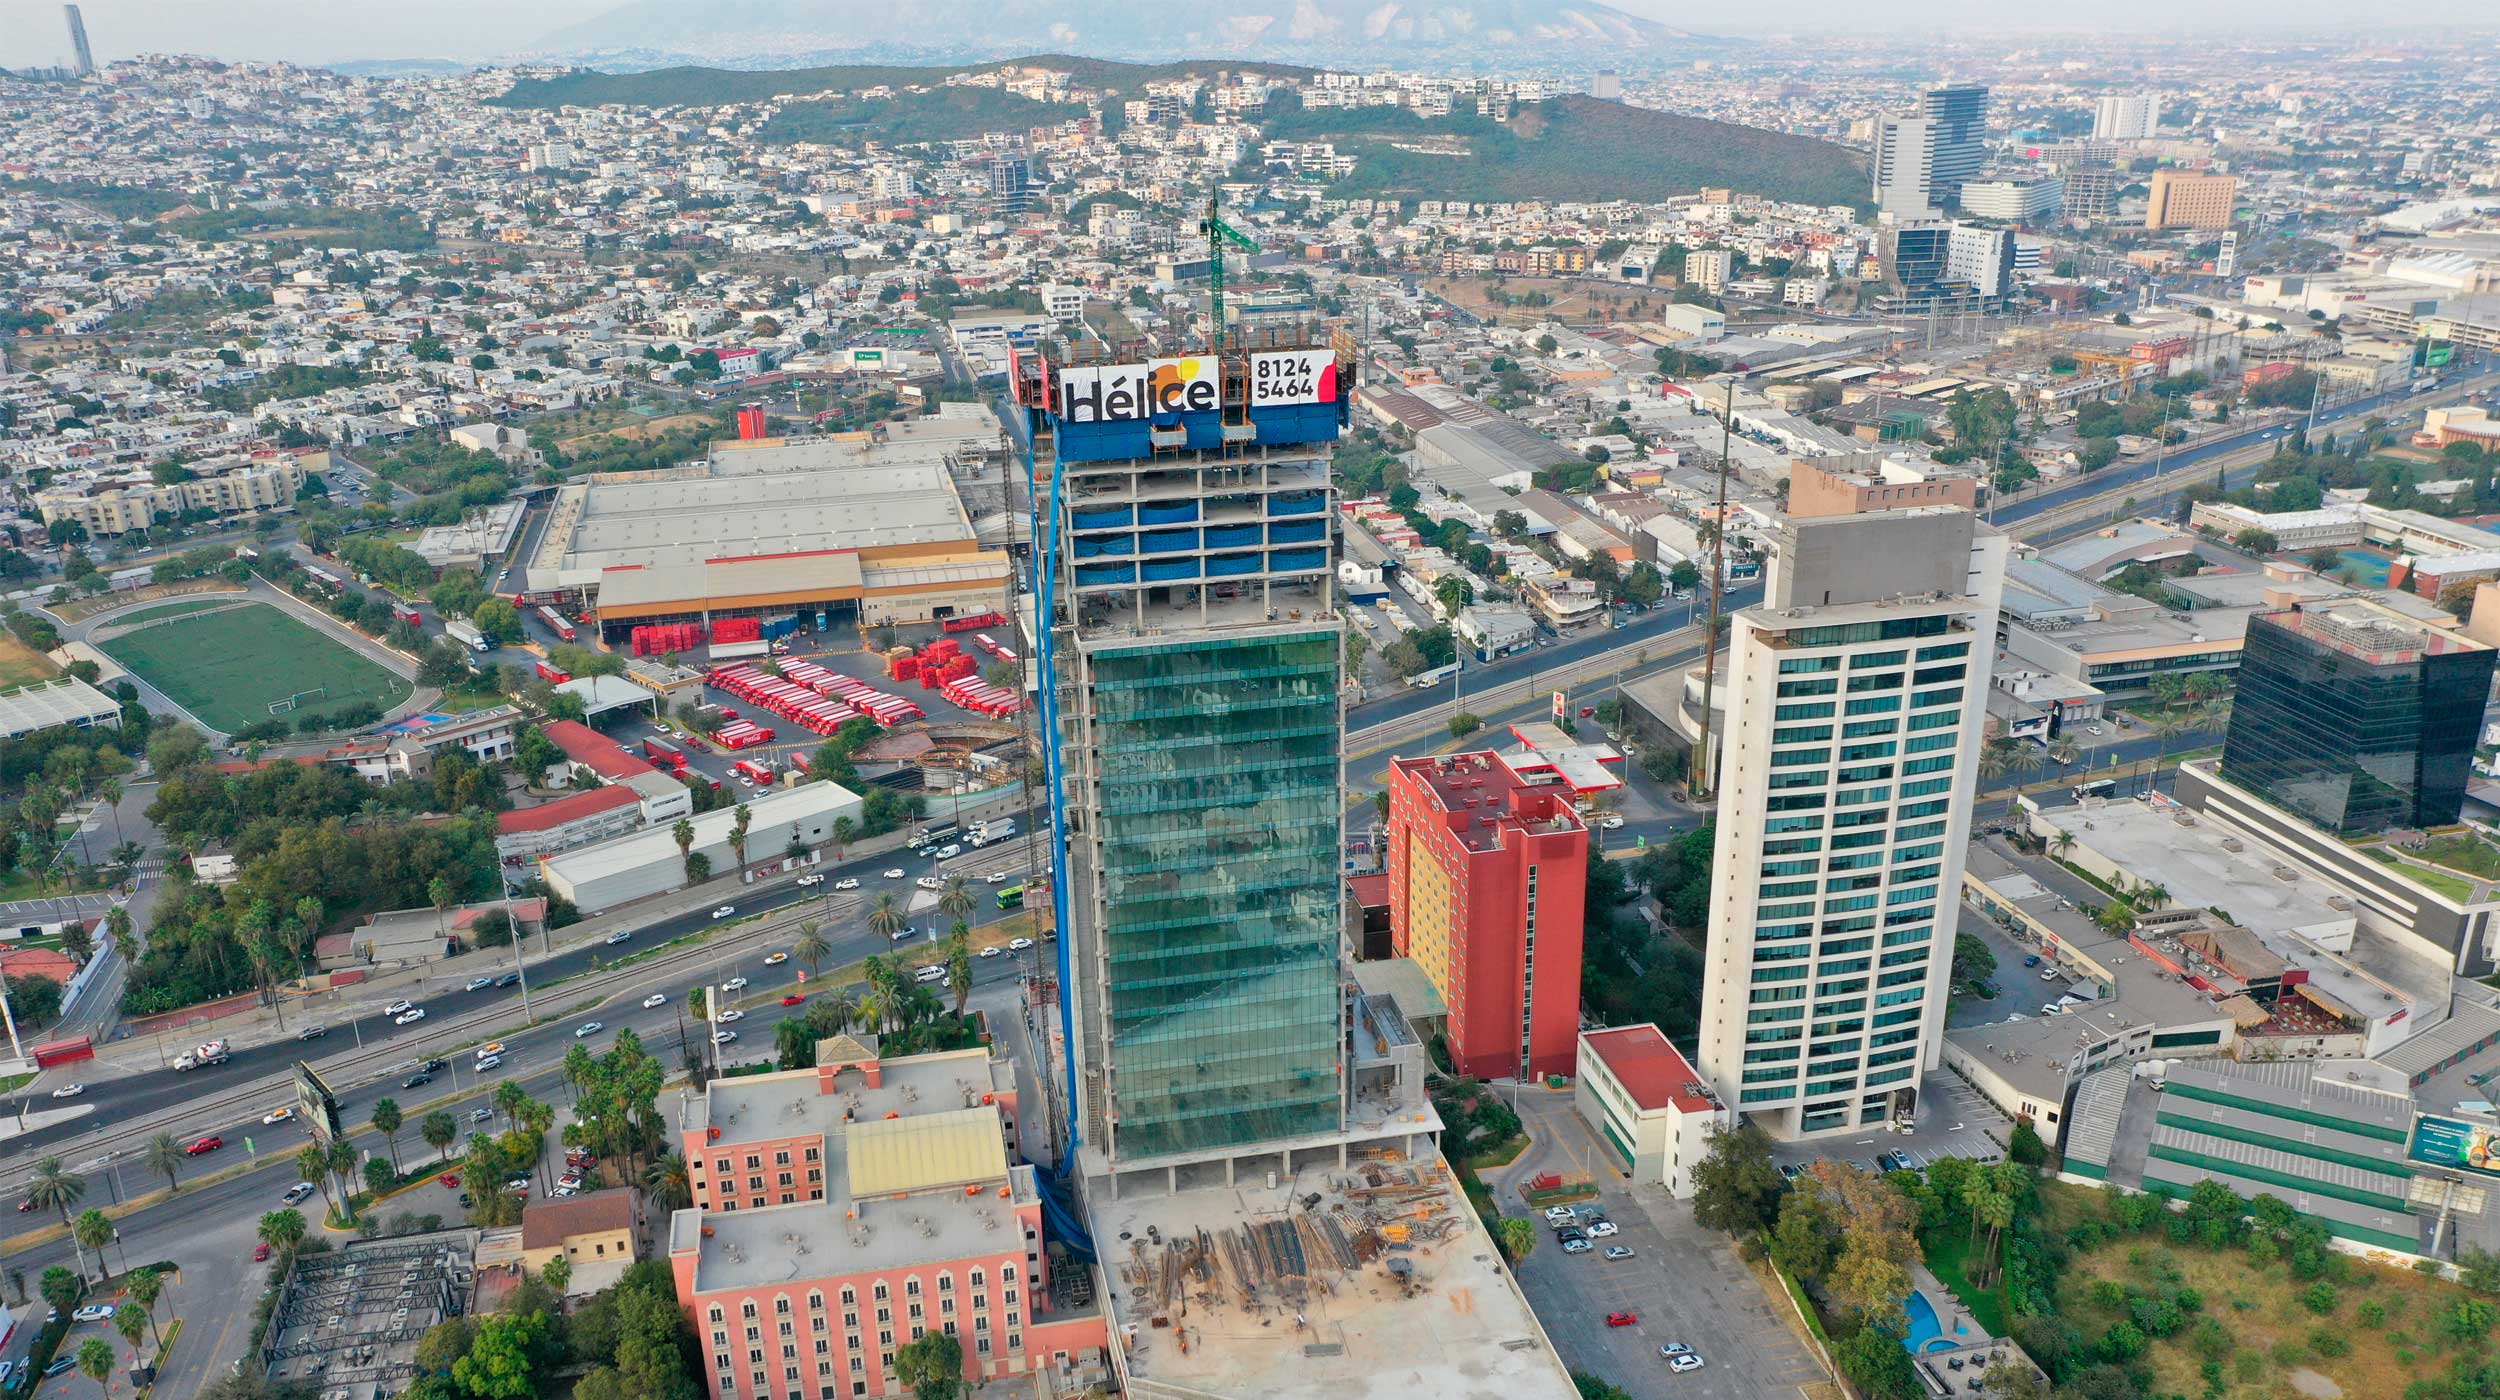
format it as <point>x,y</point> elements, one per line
<point>369,1049</point>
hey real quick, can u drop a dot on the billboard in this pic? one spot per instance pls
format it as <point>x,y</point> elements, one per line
<point>1114,393</point>
<point>2456,1143</point>
<point>317,1106</point>
<point>1279,377</point>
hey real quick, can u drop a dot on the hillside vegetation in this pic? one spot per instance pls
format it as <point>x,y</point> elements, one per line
<point>707,87</point>
<point>947,114</point>
<point>1572,148</point>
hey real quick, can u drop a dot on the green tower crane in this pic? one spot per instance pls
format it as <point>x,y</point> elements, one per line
<point>1218,234</point>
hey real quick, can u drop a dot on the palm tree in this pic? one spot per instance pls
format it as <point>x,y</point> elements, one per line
<point>92,1231</point>
<point>164,1154</point>
<point>95,1360</point>
<point>959,964</point>
<point>342,1164</point>
<point>2148,895</point>
<point>740,821</point>
<point>146,1287</point>
<point>440,1130</point>
<point>2167,727</point>
<point>117,923</point>
<point>387,1121</point>
<point>668,1183</point>
<point>510,1098</point>
<point>132,1323</point>
<point>1996,759</point>
<point>956,901</point>
<point>2063,843</point>
<point>874,1008</point>
<point>579,1068</point>
<point>313,1165</point>
<point>282,1230</point>
<point>2065,755</point>
<point>811,948</point>
<point>683,833</point>
<point>840,1008</point>
<point>111,791</point>
<point>536,1119</point>
<point>54,1187</point>
<point>440,894</point>
<point>1516,1237</point>
<point>885,917</point>
<point>845,831</point>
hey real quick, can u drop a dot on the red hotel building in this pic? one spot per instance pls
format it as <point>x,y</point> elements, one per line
<point>1488,872</point>
<point>842,1211</point>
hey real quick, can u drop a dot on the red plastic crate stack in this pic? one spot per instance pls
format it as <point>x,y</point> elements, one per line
<point>904,668</point>
<point>738,629</point>
<point>966,624</point>
<point>663,638</point>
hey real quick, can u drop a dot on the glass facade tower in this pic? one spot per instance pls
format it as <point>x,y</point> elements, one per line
<point>2356,718</point>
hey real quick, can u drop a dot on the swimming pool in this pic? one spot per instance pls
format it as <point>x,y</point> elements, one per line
<point>414,723</point>
<point>1926,1333</point>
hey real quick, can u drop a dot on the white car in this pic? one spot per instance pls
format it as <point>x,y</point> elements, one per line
<point>409,1017</point>
<point>809,882</point>
<point>479,984</point>
<point>69,1091</point>
<point>894,874</point>
<point>776,959</point>
<point>1689,1361</point>
<point>995,877</point>
<point>991,952</point>
<point>734,984</point>
<point>1560,1215</point>
<point>487,1062</point>
<point>930,882</point>
<point>587,1029</point>
<point>276,1116</point>
<point>398,1006</point>
<point>95,1312</point>
<point>1611,823</point>
<point>619,936</point>
<point>724,911</point>
<point>1601,1229</point>
<point>655,999</point>
<point>1577,1246</point>
<point>1018,945</point>
<point>846,883</point>
<point>929,972</point>
<point>723,1037</point>
<point>299,1191</point>
<point>948,852</point>
<point>732,1014</point>
<point>899,934</point>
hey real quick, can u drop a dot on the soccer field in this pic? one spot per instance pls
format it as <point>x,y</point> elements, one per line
<point>227,667</point>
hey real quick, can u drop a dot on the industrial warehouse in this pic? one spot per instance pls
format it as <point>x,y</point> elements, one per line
<point>871,529</point>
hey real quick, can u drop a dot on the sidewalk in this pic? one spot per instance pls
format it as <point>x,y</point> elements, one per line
<point>260,1026</point>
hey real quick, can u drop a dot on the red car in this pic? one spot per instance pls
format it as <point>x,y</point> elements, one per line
<point>205,1145</point>
<point>260,1253</point>
<point>1588,712</point>
<point>450,1179</point>
<point>25,1207</point>
<point>1621,1319</point>
<point>793,999</point>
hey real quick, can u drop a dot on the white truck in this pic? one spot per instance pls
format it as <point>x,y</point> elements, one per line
<point>1425,680</point>
<point>467,635</point>
<point>215,1052</point>
<point>983,833</point>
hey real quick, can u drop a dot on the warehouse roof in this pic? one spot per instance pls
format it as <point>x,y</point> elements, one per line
<point>52,704</point>
<point>571,807</point>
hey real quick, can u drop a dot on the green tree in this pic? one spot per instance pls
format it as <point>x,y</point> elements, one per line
<point>932,1365</point>
<point>282,1230</point>
<point>95,1359</point>
<point>61,1288</point>
<point>885,917</point>
<point>165,1157</point>
<point>502,1357</point>
<point>959,964</point>
<point>1736,1188</point>
<point>146,1287</point>
<point>93,1231</point>
<point>811,948</point>
<point>1517,1237</point>
<point>55,1188</point>
<point>683,834</point>
<point>387,1122</point>
<point>558,1273</point>
<point>313,1165</point>
<point>440,1130</point>
<point>740,821</point>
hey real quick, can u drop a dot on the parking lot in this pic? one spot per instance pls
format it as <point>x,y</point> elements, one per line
<point>1683,1284</point>
<point>1953,1121</point>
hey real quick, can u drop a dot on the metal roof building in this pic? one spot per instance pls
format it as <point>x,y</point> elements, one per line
<point>43,705</point>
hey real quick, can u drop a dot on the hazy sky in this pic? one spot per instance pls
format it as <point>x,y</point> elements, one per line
<point>320,31</point>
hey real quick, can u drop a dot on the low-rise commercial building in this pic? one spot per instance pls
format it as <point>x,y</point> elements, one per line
<point>485,735</point>
<point>598,1235</point>
<point>575,819</point>
<point>57,704</point>
<point>1640,1095</point>
<point>648,862</point>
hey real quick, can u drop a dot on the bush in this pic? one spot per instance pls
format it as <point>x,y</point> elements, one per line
<point>2328,1342</point>
<point>2320,1298</point>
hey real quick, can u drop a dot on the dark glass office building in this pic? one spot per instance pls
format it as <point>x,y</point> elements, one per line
<point>2356,717</point>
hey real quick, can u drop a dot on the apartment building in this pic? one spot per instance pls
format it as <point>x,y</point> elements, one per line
<point>115,502</point>
<point>1857,699</point>
<point>2190,199</point>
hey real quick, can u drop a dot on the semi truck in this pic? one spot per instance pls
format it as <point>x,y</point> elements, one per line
<point>215,1052</point>
<point>467,635</point>
<point>983,833</point>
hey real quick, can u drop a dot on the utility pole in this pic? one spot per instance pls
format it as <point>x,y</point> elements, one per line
<point>1704,771</point>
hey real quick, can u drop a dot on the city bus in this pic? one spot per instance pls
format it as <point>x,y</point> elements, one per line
<point>2098,787</point>
<point>1011,897</point>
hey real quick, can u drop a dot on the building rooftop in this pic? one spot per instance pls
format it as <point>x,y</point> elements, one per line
<point>656,845</point>
<point>1373,1283</point>
<point>548,1223</point>
<point>2370,633</point>
<point>1481,798</point>
<point>2203,867</point>
<point>49,704</point>
<point>1650,1068</point>
<point>571,807</point>
<point>593,750</point>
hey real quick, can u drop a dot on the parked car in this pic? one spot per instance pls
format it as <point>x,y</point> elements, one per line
<point>450,1179</point>
<point>1689,1361</point>
<point>2032,961</point>
<point>260,1253</point>
<point>1560,1215</point>
<point>1623,1319</point>
<point>1617,1251</point>
<point>94,1312</point>
<point>1577,1246</point>
<point>1600,1229</point>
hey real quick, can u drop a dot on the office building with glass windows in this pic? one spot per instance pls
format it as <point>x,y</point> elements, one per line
<point>1857,692</point>
<point>2356,717</point>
